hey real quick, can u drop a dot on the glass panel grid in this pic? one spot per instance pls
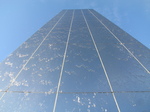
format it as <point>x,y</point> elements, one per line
<point>83,85</point>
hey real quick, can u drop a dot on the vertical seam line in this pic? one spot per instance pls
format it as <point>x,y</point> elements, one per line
<point>121,43</point>
<point>102,64</point>
<point>11,84</point>
<point>63,63</point>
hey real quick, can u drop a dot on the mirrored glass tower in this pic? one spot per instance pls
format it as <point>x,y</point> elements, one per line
<point>77,62</point>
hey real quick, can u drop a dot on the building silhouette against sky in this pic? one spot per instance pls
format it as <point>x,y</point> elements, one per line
<point>77,62</point>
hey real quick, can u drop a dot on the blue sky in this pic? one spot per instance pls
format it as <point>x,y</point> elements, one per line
<point>19,19</point>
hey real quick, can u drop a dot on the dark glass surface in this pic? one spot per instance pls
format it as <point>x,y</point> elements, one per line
<point>27,102</point>
<point>82,64</point>
<point>14,63</point>
<point>88,102</point>
<point>141,52</point>
<point>42,71</point>
<point>125,73</point>
<point>134,102</point>
<point>31,79</point>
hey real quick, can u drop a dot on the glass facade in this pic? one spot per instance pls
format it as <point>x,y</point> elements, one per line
<point>77,62</point>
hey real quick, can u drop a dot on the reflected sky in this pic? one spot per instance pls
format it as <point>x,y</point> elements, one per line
<point>78,62</point>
